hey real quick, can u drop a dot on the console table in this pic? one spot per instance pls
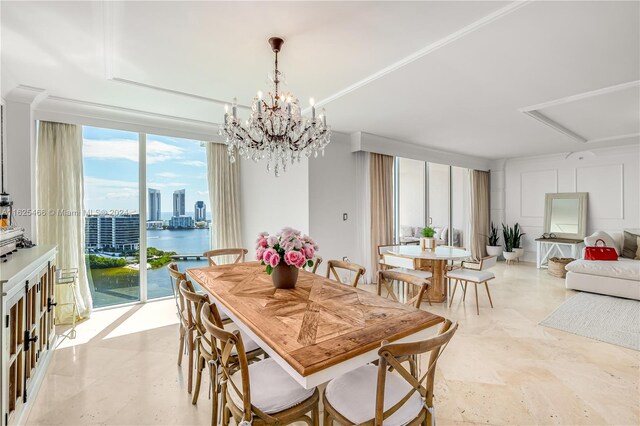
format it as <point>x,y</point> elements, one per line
<point>28,330</point>
<point>549,247</point>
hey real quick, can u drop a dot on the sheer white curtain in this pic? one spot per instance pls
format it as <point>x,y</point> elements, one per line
<point>224,197</point>
<point>60,192</point>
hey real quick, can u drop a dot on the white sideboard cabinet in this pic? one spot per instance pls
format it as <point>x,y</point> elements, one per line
<point>28,329</point>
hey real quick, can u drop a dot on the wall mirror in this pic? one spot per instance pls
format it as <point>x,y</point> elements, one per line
<point>565,215</point>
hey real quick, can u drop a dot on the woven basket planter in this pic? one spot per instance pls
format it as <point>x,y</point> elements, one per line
<point>557,264</point>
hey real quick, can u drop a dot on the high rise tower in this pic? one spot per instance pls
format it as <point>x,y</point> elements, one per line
<point>200,209</point>
<point>154,204</point>
<point>178,202</point>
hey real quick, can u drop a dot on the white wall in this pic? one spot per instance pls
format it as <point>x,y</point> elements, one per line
<point>20,154</point>
<point>332,192</point>
<point>269,203</point>
<point>611,177</point>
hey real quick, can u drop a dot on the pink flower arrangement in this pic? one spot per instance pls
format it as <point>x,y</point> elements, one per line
<point>287,247</point>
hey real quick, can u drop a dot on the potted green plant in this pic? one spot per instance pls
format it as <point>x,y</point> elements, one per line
<point>508,235</point>
<point>517,238</point>
<point>493,248</point>
<point>427,242</point>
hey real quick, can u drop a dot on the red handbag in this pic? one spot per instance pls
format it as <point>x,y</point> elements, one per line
<point>600,252</point>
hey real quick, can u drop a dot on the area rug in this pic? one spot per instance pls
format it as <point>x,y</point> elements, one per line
<point>605,318</point>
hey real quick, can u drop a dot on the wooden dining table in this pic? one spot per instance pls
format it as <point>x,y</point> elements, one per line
<point>435,261</point>
<point>316,331</point>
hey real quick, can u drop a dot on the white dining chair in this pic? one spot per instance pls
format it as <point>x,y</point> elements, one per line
<point>475,273</point>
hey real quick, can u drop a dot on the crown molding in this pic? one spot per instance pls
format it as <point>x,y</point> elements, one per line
<point>174,92</point>
<point>580,96</point>
<point>27,95</point>
<point>534,111</point>
<point>555,125</point>
<point>76,111</point>
<point>362,141</point>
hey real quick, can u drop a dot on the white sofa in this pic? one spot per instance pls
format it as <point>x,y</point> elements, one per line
<point>412,234</point>
<point>619,278</point>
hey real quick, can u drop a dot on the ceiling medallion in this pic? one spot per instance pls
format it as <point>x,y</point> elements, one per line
<point>276,129</point>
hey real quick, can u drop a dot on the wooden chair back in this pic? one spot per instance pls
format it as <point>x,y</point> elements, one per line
<point>223,342</point>
<point>193,304</point>
<point>386,278</point>
<point>488,262</point>
<point>392,355</point>
<point>239,254</point>
<point>175,276</point>
<point>484,263</point>
<point>317,260</point>
<point>334,265</point>
<point>384,247</point>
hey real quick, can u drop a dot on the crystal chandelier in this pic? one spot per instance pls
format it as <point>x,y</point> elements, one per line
<point>276,129</point>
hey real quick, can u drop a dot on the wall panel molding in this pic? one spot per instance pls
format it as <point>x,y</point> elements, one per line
<point>529,197</point>
<point>603,195</point>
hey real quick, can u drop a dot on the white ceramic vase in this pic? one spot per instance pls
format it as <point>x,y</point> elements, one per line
<point>428,243</point>
<point>519,252</point>
<point>509,255</point>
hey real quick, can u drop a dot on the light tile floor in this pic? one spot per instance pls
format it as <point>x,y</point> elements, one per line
<point>501,367</point>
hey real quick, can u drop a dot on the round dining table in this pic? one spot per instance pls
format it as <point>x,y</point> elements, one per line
<point>434,261</point>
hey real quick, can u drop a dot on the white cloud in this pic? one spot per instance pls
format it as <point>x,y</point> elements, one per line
<point>159,151</point>
<point>160,185</point>
<point>124,149</point>
<point>202,192</point>
<point>194,163</point>
<point>109,183</point>
<point>125,193</point>
<point>167,174</point>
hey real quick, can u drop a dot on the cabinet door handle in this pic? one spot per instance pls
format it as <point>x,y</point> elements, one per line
<point>50,303</point>
<point>27,339</point>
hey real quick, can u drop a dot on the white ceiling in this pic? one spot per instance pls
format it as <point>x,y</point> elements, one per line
<point>448,75</point>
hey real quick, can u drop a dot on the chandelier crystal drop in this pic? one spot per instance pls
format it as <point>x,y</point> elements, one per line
<point>276,129</point>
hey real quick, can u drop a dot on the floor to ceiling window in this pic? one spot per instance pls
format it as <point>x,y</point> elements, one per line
<point>435,195</point>
<point>112,227</point>
<point>178,211</point>
<point>410,199</point>
<point>142,212</point>
<point>438,201</point>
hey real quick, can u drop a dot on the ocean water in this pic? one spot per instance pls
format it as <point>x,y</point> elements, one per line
<point>122,285</point>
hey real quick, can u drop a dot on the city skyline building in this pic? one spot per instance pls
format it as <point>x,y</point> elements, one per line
<point>155,204</point>
<point>181,222</point>
<point>179,202</point>
<point>119,232</point>
<point>200,211</point>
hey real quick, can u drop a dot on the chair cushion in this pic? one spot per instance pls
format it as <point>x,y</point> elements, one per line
<point>470,275</point>
<point>354,396</point>
<point>421,274</point>
<point>272,388</point>
<point>249,344</point>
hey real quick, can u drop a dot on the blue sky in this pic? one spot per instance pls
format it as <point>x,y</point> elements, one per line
<point>111,169</point>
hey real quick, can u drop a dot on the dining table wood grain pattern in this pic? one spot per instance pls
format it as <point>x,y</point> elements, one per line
<point>317,324</point>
